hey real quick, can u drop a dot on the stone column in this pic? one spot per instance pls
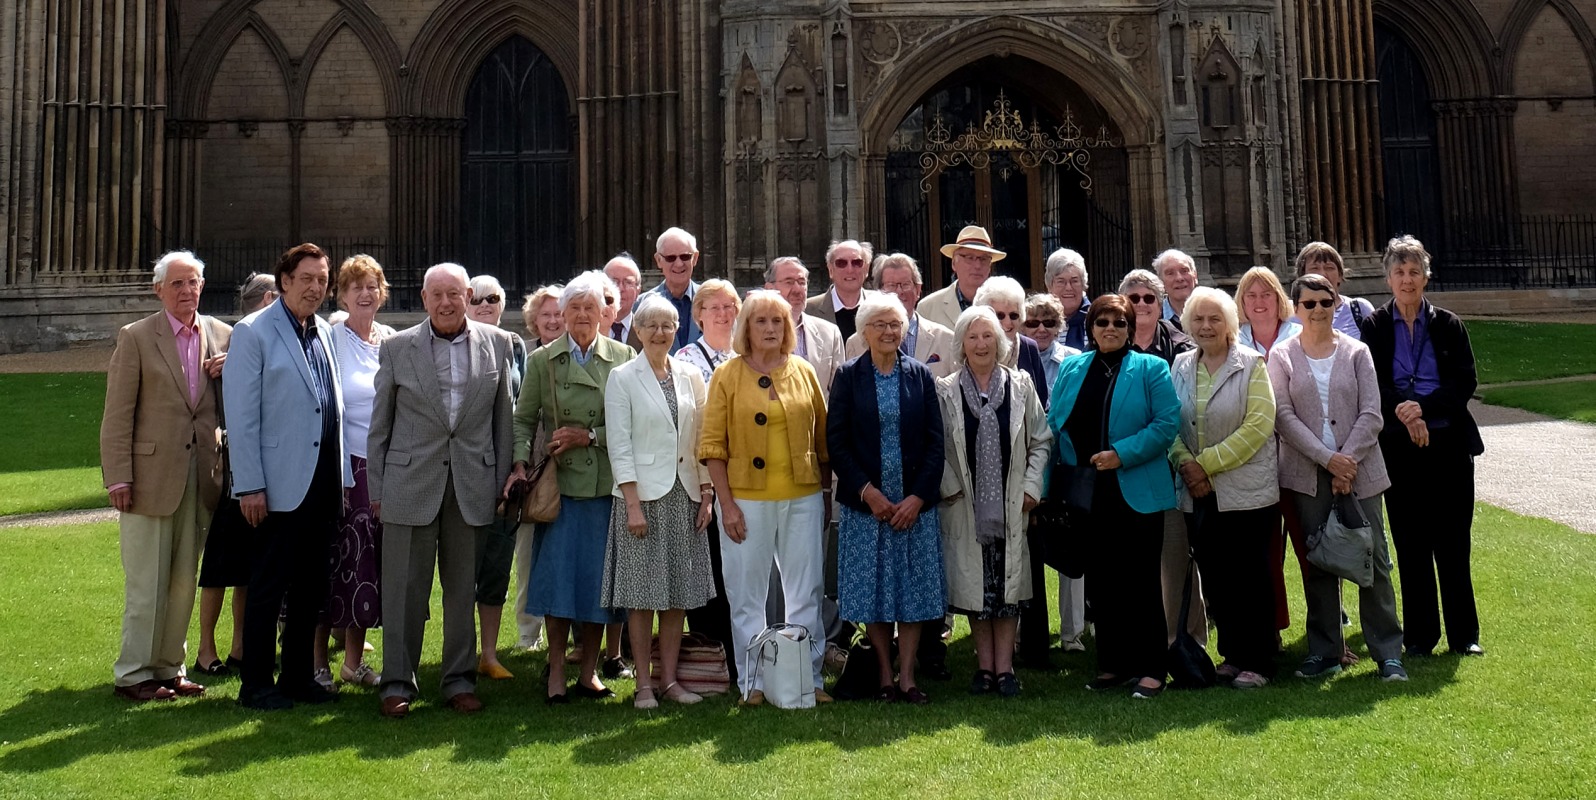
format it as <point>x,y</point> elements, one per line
<point>426,192</point>
<point>1474,147</point>
<point>1342,176</point>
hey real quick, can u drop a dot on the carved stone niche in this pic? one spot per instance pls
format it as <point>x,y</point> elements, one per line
<point>795,96</point>
<point>749,106</point>
<point>1218,82</point>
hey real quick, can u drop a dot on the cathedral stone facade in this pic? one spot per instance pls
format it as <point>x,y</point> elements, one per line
<point>530,138</point>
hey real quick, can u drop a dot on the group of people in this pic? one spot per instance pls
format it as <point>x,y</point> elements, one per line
<point>727,460</point>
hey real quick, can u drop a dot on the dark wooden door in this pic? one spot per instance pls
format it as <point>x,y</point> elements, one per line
<point>1407,141</point>
<point>518,204</point>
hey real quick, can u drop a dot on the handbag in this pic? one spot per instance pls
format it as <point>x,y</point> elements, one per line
<point>1344,543</point>
<point>700,665</point>
<point>781,660</point>
<point>1189,664</point>
<point>1059,540</point>
<point>542,501</point>
<point>860,675</point>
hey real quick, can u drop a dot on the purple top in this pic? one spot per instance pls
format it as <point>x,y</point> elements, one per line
<point>1414,370</point>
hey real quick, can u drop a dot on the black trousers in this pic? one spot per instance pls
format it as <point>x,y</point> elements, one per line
<point>1233,550</point>
<point>290,564</point>
<point>1123,584</point>
<point>713,619</point>
<point>1035,633</point>
<point>1430,507</point>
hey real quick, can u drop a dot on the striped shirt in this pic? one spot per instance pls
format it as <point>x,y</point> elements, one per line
<point>1242,444</point>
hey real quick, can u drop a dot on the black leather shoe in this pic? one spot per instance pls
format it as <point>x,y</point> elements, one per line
<point>561,699</point>
<point>983,682</point>
<point>1008,685</point>
<point>592,694</point>
<point>312,693</point>
<point>937,671</point>
<point>268,699</point>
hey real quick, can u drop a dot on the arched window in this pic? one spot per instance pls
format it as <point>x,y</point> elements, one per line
<point>1407,140</point>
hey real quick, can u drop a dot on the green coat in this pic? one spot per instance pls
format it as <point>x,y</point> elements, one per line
<point>578,390</point>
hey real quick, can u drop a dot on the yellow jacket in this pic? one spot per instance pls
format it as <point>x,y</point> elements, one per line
<point>734,416</point>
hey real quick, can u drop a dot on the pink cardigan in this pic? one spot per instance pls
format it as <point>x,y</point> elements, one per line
<point>1354,416</point>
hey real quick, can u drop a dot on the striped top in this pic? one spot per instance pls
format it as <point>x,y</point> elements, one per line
<point>1234,450</point>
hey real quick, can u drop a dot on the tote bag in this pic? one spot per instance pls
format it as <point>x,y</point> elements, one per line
<point>781,658</point>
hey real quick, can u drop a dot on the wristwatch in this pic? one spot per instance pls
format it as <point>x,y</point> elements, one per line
<point>592,437</point>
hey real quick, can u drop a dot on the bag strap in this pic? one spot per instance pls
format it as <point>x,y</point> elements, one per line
<point>554,397</point>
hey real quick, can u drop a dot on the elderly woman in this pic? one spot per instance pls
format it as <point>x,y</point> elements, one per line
<point>495,542</point>
<point>1328,417</point>
<point>226,557</point>
<point>1425,365</point>
<point>1044,323</point>
<point>884,434</point>
<point>715,308</point>
<point>564,389</point>
<point>657,559</point>
<point>1266,309</point>
<point>1162,338</point>
<point>1065,278</point>
<point>354,603</point>
<point>542,316</point>
<point>996,442</point>
<point>1318,258</point>
<point>1229,487</point>
<point>1115,416</point>
<point>764,440</point>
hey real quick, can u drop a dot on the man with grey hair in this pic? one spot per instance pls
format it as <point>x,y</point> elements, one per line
<point>925,341</point>
<point>819,341</point>
<point>676,254</point>
<point>629,279</point>
<point>159,459</point>
<point>441,438</point>
<point>1065,278</point>
<point>1179,273</point>
<point>848,264</point>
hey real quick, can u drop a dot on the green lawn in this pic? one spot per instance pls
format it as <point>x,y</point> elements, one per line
<point>1524,351</point>
<point>1573,400</point>
<point>51,460</point>
<point>1514,724</point>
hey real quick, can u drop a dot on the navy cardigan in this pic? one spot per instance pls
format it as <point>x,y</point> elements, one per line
<point>1454,359</point>
<point>853,431</point>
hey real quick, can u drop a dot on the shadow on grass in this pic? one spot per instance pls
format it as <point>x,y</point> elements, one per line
<point>57,728</point>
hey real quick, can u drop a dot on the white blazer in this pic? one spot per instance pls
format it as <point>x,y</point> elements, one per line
<point>645,447</point>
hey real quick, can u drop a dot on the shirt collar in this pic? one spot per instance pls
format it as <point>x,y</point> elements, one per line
<point>303,330</point>
<point>463,334</point>
<point>178,327</point>
<point>836,300</point>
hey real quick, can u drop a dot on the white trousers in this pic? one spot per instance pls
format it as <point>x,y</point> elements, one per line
<point>1071,609</point>
<point>160,560</point>
<point>790,535</point>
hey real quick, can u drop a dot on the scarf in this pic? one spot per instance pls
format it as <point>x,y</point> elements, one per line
<point>988,496</point>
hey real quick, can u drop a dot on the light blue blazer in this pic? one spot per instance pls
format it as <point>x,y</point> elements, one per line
<point>1142,423</point>
<point>273,416</point>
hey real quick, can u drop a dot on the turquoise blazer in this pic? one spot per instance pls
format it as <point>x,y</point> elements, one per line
<point>1142,423</point>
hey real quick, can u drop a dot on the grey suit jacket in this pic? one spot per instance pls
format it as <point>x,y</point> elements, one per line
<point>824,350</point>
<point>412,448</point>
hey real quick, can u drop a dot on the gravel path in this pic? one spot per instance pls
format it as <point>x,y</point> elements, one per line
<point>1537,465</point>
<point>51,518</point>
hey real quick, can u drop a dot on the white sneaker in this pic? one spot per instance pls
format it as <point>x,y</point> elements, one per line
<point>1249,680</point>
<point>1074,646</point>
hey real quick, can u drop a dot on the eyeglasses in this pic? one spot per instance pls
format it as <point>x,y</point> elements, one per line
<point>671,259</point>
<point>491,299</point>
<point>659,327</point>
<point>1010,315</point>
<point>1144,299</point>
<point>848,262</point>
<point>1118,322</point>
<point>1050,324</point>
<point>886,327</point>
<point>722,308</point>
<point>791,283</point>
<point>895,288</point>
<point>1313,304</point>
<point>629,283</point>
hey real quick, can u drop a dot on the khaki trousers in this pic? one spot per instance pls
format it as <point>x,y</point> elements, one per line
<point>160,560</point>
<point>1176,555</point>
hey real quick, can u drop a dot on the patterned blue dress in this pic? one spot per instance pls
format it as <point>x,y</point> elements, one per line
<point>887,575</point>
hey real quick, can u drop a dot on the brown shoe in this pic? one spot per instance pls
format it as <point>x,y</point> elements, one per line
<point>821,696</point>
<point>465,703</point>
<point>146,691</point>
<point>184,687</point>
<point>395,707</point>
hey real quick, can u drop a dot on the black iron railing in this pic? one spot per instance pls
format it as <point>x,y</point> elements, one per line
<point>1531,252</point>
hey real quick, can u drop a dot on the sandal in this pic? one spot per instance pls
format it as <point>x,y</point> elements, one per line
<point>674,692</point>
<point>644,698</point>
<point>914,696</point>
<point>984,682</point>
<point>887,694</point>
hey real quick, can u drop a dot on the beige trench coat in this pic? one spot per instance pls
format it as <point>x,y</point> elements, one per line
<point>1030,443</point>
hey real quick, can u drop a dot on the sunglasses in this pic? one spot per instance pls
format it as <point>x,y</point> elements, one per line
<point>491,299</point>
<point>1313,304</point>
<point>674,258</point>
<point>1144,299</point>
<point>848,262</point>
<point>1050,324</point>
<point>1011,315</point>
<point>1118,322</point>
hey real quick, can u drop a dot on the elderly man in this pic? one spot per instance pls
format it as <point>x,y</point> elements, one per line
<point>676,254</point>
<point>924,341</point>
<point>159,460</point>
<point>973,256</point>
<point>819,342</point>
<point>623,270</point>
<point>441,438</point>
<point>1065,278</point>
<point>848,263</point>
<point>286,449</point>
<point>1179,274</point>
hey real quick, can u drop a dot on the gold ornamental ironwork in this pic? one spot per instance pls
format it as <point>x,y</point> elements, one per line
<point>1003,130</point>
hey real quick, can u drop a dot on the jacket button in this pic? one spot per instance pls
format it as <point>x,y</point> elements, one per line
<point>446,462</point>
<point>315,444</point>
<point>764,381</point>
<point>318,409</point>
<point>188,446</point>
<point>759,419</point>
<point>592,413</point>
<point>679,459</point>
<point>590,462</point>
<point>759,463</point>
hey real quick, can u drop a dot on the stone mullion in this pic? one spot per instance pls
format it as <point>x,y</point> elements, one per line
<point>1341,130</point>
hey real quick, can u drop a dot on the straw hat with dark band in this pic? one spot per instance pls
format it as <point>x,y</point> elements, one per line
<point>974,237</point>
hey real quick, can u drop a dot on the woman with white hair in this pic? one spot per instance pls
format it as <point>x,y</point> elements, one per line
<point>1065,278</point>
<point>1154,335</point>
<point>656,558</point>
<point>542,316</point>
<point>884,433</point>
<point>996,443</point>
<point>1229,487</point>
<point>496,541</point>
<point>564,388</point>
<point>764,440</point>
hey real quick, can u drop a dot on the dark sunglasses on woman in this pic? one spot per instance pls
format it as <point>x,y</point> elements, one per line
<point>1118,322</point>
<point>1050,324</point>
<point>492,299</point>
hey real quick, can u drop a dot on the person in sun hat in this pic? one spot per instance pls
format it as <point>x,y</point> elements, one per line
<point>973,256</point>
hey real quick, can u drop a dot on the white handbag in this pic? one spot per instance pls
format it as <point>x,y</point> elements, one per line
<point>782,659</point>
